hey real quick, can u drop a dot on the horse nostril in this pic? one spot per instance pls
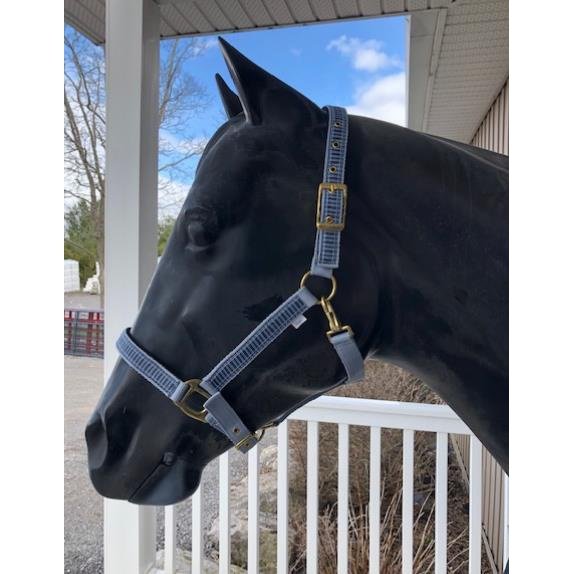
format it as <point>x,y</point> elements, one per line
<point>168,458</point>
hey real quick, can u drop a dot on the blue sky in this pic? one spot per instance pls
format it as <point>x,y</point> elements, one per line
<point>356,64</point>
<point>359,65</point>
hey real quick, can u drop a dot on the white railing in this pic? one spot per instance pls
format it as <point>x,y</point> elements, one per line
<point>408,417</point>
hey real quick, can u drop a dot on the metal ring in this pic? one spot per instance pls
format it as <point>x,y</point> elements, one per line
<point>333,285</point>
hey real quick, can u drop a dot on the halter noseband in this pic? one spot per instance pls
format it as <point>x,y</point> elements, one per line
<point>331,209</point>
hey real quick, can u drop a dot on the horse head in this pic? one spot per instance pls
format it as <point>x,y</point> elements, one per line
<point>239,248</point>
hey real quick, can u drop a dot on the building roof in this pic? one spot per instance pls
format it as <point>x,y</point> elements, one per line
<point>458,57</point>
<point>458,65</point>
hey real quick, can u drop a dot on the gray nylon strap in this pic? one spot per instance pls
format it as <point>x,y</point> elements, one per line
<point>349,354</point>
<point>332,202</point>
<point>258,340</point>
<point>336,145</point>
<point>330,222</point>
<point>148,367</point>
<point>224,418</point>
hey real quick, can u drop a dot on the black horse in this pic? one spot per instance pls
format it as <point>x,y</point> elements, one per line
<point>423,281</point>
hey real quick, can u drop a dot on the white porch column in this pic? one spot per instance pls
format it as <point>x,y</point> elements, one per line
<point>132,61</point>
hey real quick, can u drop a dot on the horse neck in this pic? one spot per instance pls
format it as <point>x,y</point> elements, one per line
<point>434,222</point>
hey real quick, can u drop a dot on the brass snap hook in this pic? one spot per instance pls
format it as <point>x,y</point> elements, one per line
<point>334,323</point>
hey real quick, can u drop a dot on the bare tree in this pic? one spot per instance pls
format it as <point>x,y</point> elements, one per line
<point>181,97</point>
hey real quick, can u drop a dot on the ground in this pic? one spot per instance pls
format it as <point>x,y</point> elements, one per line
<point>80,300</point>
<point>83,507</point>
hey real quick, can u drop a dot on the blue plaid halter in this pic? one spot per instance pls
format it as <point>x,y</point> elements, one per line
<point>216,411</point>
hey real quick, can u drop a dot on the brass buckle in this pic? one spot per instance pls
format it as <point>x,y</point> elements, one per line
<point>329,224</point>
<point>193,387</point>
<point>252,436</point>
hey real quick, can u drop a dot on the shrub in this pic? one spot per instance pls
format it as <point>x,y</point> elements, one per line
<point>382,381</point>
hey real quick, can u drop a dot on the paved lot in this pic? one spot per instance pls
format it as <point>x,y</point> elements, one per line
<point>83,507</point>
<point>82,301</point>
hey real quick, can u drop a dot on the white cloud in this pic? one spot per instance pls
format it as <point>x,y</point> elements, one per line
<point>383,99</point>
<point>366,55</point>
<point>210,43</point>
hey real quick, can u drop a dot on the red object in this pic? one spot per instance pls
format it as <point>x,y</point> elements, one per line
<point>84,332</point>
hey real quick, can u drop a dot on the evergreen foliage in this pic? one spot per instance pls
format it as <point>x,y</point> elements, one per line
<point>165,227</point>
<point>80,238</point>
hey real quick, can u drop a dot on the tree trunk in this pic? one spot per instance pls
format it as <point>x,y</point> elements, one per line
<point>100,223</point>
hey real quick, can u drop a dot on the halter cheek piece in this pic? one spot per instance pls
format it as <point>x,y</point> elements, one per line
<point>216,411</point>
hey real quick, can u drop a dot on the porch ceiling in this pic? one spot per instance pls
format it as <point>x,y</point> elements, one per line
<point>458,57</point>
<point>200,17</point>
<point>458,64</point>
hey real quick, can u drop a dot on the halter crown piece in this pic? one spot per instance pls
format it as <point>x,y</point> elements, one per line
<point>216,411</point>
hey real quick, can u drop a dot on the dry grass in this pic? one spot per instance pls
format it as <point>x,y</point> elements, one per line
<point>382,382</point>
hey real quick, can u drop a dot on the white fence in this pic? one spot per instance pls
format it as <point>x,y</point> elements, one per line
<point>408,417</point>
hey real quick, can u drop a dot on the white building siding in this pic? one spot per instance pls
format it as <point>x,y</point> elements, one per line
<point>492,133</point>
<point>493,501</point>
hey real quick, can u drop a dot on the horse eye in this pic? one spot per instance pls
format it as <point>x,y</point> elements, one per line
<point>200,234</point>
<point>201,226</point>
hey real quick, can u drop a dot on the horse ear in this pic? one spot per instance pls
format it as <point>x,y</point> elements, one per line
<point>263,97</point>
<point>229,98</point>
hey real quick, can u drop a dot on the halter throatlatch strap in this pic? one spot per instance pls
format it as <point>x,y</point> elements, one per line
<point>216,411</point>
